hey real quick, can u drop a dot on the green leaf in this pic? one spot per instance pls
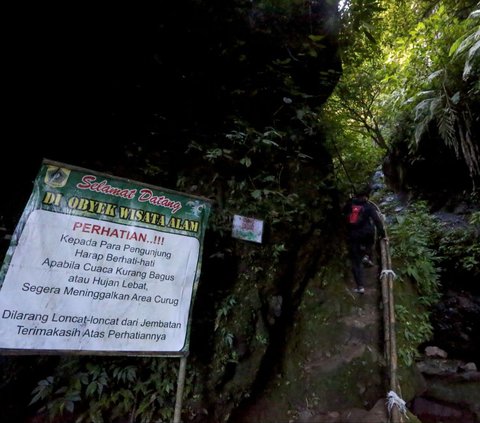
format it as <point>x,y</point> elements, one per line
<point>316,38</point>
<point>257,194</point>
<point>91,389</point>
<point>246,161</point>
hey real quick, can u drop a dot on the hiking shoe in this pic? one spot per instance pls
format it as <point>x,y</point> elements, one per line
<point>367,262</point>
<point>359,290</point>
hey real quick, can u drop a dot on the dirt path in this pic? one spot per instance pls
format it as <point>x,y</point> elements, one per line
<point>361,342</point>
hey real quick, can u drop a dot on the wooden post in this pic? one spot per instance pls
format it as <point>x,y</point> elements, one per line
<point>180,385</point>
<point>394,386</point>
<point>395,416</point>
<point>390,340</point>
<point>385,302</point>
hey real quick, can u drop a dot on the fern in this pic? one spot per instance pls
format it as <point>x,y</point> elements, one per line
<point>436,107</point>
<point>468,47</point>
<point>447,127</point>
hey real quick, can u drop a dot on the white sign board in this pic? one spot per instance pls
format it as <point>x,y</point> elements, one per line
<point>100,277</point>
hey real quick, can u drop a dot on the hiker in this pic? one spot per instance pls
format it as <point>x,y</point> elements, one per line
<point>362,220</point>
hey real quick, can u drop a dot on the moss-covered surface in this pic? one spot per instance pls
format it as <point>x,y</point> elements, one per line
<point>332,359</point>
<point>412,327</point>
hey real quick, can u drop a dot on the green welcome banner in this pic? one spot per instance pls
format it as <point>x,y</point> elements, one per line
<point>101,265</point>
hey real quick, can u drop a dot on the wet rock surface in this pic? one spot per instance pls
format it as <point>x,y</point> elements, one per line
<point>456,322</point>
<point>430,411</point>
<point>452,391</point>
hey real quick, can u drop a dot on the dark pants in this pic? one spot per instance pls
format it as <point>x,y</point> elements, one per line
<point>357,249</point>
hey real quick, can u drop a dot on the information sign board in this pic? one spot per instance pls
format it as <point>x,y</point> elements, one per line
<point>101,264</point>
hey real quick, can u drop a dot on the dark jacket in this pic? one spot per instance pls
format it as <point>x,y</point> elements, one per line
<point>369,219</point>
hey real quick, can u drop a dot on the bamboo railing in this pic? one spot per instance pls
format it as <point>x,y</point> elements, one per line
<point>390,341</point>
<point>386,277</point>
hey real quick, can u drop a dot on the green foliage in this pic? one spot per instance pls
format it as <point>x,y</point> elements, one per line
<point>224,310</point>
<point>438,83</point>
<point>413,328</point>
<point>356,101</point>
<point>475,220</point>
<point>98,390</point>
<point>420,245</point>
<point>254,167</point>
<point>415,259</point>
<point>355,157</point>
<point>412,247</point>
<point>225,352</point>
<point>460,248</point>
<point>353,124</point>
<point>411,74</point>
<point>467,47</point>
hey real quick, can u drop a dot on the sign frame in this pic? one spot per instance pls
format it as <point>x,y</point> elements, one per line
<point>100,209</point>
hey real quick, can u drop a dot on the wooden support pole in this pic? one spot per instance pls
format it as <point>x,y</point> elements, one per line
<point>390,334</point>
<point>180,385</point>
<point>394,385</point>
<point>385,302</point>
<point>390,340</point>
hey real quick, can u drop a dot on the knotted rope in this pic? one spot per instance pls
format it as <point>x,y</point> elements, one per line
<point>394,399</point>
<point>387,272</point>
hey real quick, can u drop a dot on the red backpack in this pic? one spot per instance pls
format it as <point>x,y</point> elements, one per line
<point>356,214</point>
